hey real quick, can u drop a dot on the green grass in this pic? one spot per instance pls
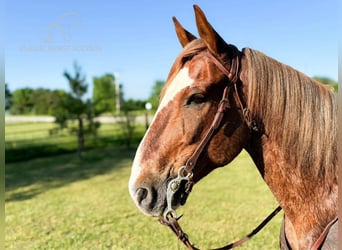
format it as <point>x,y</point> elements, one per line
<point>59,203</point>
<point>40,132</point>
<point>29,140</point>
<point>27,130</point>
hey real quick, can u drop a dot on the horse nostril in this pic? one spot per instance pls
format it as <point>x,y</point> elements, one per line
<point>148,200</point>
<point>141,194</point>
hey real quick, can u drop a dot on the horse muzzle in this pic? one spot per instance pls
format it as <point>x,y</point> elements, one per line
<point>164,198</point>
<point>150,200</point>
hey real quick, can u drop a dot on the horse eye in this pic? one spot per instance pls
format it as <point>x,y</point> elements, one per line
<point>196,99</point>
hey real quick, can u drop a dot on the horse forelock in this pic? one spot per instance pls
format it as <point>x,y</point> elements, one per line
<point>298,112</point>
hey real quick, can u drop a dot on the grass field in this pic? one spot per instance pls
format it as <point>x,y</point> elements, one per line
<point>29,140</point>
<point>59,203</point>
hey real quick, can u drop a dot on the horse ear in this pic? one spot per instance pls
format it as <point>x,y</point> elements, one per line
<point>212,39</point>
<point>183,35</point>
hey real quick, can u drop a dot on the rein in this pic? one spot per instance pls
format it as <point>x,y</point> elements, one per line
<point>185,173</point>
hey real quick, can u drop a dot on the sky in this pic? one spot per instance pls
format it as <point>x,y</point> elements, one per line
<point>136,41</point>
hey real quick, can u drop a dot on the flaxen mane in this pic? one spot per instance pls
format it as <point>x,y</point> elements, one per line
<point>297,112</point>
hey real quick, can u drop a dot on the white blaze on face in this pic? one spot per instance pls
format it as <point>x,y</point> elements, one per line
<point>180,82</point>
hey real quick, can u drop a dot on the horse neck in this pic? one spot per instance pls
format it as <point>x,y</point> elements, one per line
<point>302,174</point>
<point>308,207</point>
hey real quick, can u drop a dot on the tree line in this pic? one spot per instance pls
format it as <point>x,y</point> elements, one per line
<point>107,97</point>
<point>44,101</point>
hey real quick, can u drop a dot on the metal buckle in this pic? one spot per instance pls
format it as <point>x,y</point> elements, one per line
<point>172,188</point>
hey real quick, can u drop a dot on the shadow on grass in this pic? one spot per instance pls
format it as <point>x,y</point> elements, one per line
<point>25,180</point>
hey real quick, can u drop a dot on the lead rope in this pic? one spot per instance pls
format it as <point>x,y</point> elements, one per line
<point>173,224</point>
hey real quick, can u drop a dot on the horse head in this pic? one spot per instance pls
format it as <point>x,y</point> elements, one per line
<point>188,105</point>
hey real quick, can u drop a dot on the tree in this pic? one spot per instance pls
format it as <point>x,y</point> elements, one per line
<point>34,101</point>
<point>8,96</point>
<point>60,107</point>
<point>155,95</point>
<point>132,104</point>
<point>128,126</point>
<point>77,83</point>
<point>104,94</point>
<point>42,101</point>
<point>127,121</point>
<point>328,82</point>
<point>22,101</point>
<point>75,107</point>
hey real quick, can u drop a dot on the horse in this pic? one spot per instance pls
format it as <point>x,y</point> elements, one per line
<point>219,100</point>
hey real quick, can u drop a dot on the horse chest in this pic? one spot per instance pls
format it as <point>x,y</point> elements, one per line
<point>330,242</point>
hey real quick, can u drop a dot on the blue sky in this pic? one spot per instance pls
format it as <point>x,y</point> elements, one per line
<point>136,39</point>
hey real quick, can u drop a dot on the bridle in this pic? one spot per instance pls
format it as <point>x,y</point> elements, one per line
<point>185,173</point>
